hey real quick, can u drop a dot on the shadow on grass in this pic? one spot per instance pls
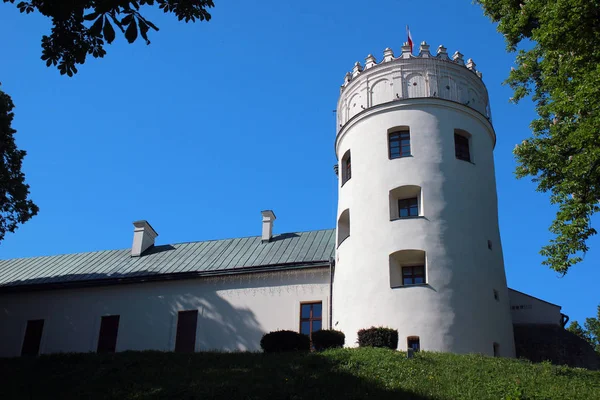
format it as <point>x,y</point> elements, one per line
<point>156,375</point>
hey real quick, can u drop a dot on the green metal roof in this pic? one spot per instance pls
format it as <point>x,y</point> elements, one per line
<point>213,257</point>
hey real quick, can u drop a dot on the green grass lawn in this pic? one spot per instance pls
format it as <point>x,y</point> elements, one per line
<point>336,374</point>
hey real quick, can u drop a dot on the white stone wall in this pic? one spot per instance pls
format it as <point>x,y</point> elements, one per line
<point>410,76</point>
<point>456,311</point>
<point>234,312</point>
<point>527,309</point>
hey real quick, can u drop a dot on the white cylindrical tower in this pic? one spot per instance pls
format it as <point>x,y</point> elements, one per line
<point>418,238</point>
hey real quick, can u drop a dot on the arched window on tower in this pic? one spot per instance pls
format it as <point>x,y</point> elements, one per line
<point>462,145</point>
<point>346,168</point>
<point>343,229</point>
<point>399,142</point>
<point>406,202</point>
<point>408,268</point>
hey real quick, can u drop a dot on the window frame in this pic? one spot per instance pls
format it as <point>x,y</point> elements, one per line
<point>416,339</point>
<point>459,146</point>
<point>399,133</point>
<point>413,276</point>
<point>310,318</point>
<point>409,207</point>
<point>346,167</point>
<point>496,349</point>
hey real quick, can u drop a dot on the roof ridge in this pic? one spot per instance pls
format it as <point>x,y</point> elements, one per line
<point>3,260</point>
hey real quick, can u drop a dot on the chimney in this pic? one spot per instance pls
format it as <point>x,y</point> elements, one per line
<point>267,225</point>
<point>143,237</point>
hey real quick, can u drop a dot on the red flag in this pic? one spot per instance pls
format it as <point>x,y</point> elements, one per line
<point>410,41</point>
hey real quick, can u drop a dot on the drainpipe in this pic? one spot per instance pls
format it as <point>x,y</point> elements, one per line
<point>331,274</point>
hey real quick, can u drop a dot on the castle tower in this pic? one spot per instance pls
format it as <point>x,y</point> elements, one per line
<point>418,238</point>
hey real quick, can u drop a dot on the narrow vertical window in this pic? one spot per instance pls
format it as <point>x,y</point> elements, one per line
<point>489,244</point>
<point>461,147</point>
<point>399,144</point>
<point>496,295</point>
<point>185,341</point>
<point>310,318</point>
<point>346,168</point>
<point>408,208</point>
<point>107,339</point>
<point>413,342</point>
<point>414,275</point>
<point>343,228</point>
<point>33,337</point>
<point>496,350</point>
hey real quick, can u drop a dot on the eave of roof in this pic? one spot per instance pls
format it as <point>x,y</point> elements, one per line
<point>167,262</point>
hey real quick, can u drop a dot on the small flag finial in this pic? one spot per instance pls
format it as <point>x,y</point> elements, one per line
<point>409,39</point>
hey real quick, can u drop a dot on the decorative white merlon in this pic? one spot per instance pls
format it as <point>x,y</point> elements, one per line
<point>479,74</point>
<point>347,78</point>
<point>406,50</point>
<point>471,65</point>
<point>357,69</point>
<point>458,58</point>
<point>388,55</point>
<point>424,50</point>
<point>267,224</point>
<point>370,61</point>
<point>143,237</point>
<point>442,53</point>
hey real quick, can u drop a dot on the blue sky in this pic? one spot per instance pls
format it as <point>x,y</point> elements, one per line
<point>216,121</point>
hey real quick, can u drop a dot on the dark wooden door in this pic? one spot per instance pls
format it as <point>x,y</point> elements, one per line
<point>33,337</point>
<point>185,341</point>
<point>109,328</point>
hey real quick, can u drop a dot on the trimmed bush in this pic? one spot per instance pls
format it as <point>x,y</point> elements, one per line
<point>378,337</point>
<point>280,341</point>
<point>328,339</point>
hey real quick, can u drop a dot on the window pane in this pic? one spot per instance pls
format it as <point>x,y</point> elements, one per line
<point>317,310</point>
<point>414,211</point>
<point>403,212</point>
<point>420,270</point>
<point>305,310</point>
<point>407,281</point>
<point>407,271</point>
<point>316,326</point>
<point>419,280</point>
<point>305,327</point>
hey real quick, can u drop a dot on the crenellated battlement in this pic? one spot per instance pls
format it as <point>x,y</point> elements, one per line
<point>412,76</point>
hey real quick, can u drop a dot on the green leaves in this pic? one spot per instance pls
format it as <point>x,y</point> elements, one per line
<point>15,206</point>
<point>74,36</point>
<point>108,32</point>
<point>561,73</point>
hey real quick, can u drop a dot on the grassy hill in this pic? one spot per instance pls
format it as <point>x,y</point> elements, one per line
<point>336,374</point>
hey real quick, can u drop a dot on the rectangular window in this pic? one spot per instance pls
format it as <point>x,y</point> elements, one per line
<point>461,147</point>
<point>346,168</point>
<point>413,342</point>
<point>310,317</point>
<point>414,275</point>
<point>109,328</point>
<point>496,295</point>
<point>408,208</point>
<point>185,340</point>
<point>496,350</point>
<point>399,144</point>
<point>33,337</point>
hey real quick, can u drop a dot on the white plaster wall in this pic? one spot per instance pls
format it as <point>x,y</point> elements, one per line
<point>530,310</point>
<point>456,311</point>
<point>234,312</point>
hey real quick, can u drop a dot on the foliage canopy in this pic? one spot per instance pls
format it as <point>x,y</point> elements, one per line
<point>559,67</point>
<point>589,332</point>
<point>15,207</point>
<point>81,27</point>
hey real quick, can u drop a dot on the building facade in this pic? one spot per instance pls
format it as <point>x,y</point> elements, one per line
<point>418,239</point>
<point>416,247</point>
